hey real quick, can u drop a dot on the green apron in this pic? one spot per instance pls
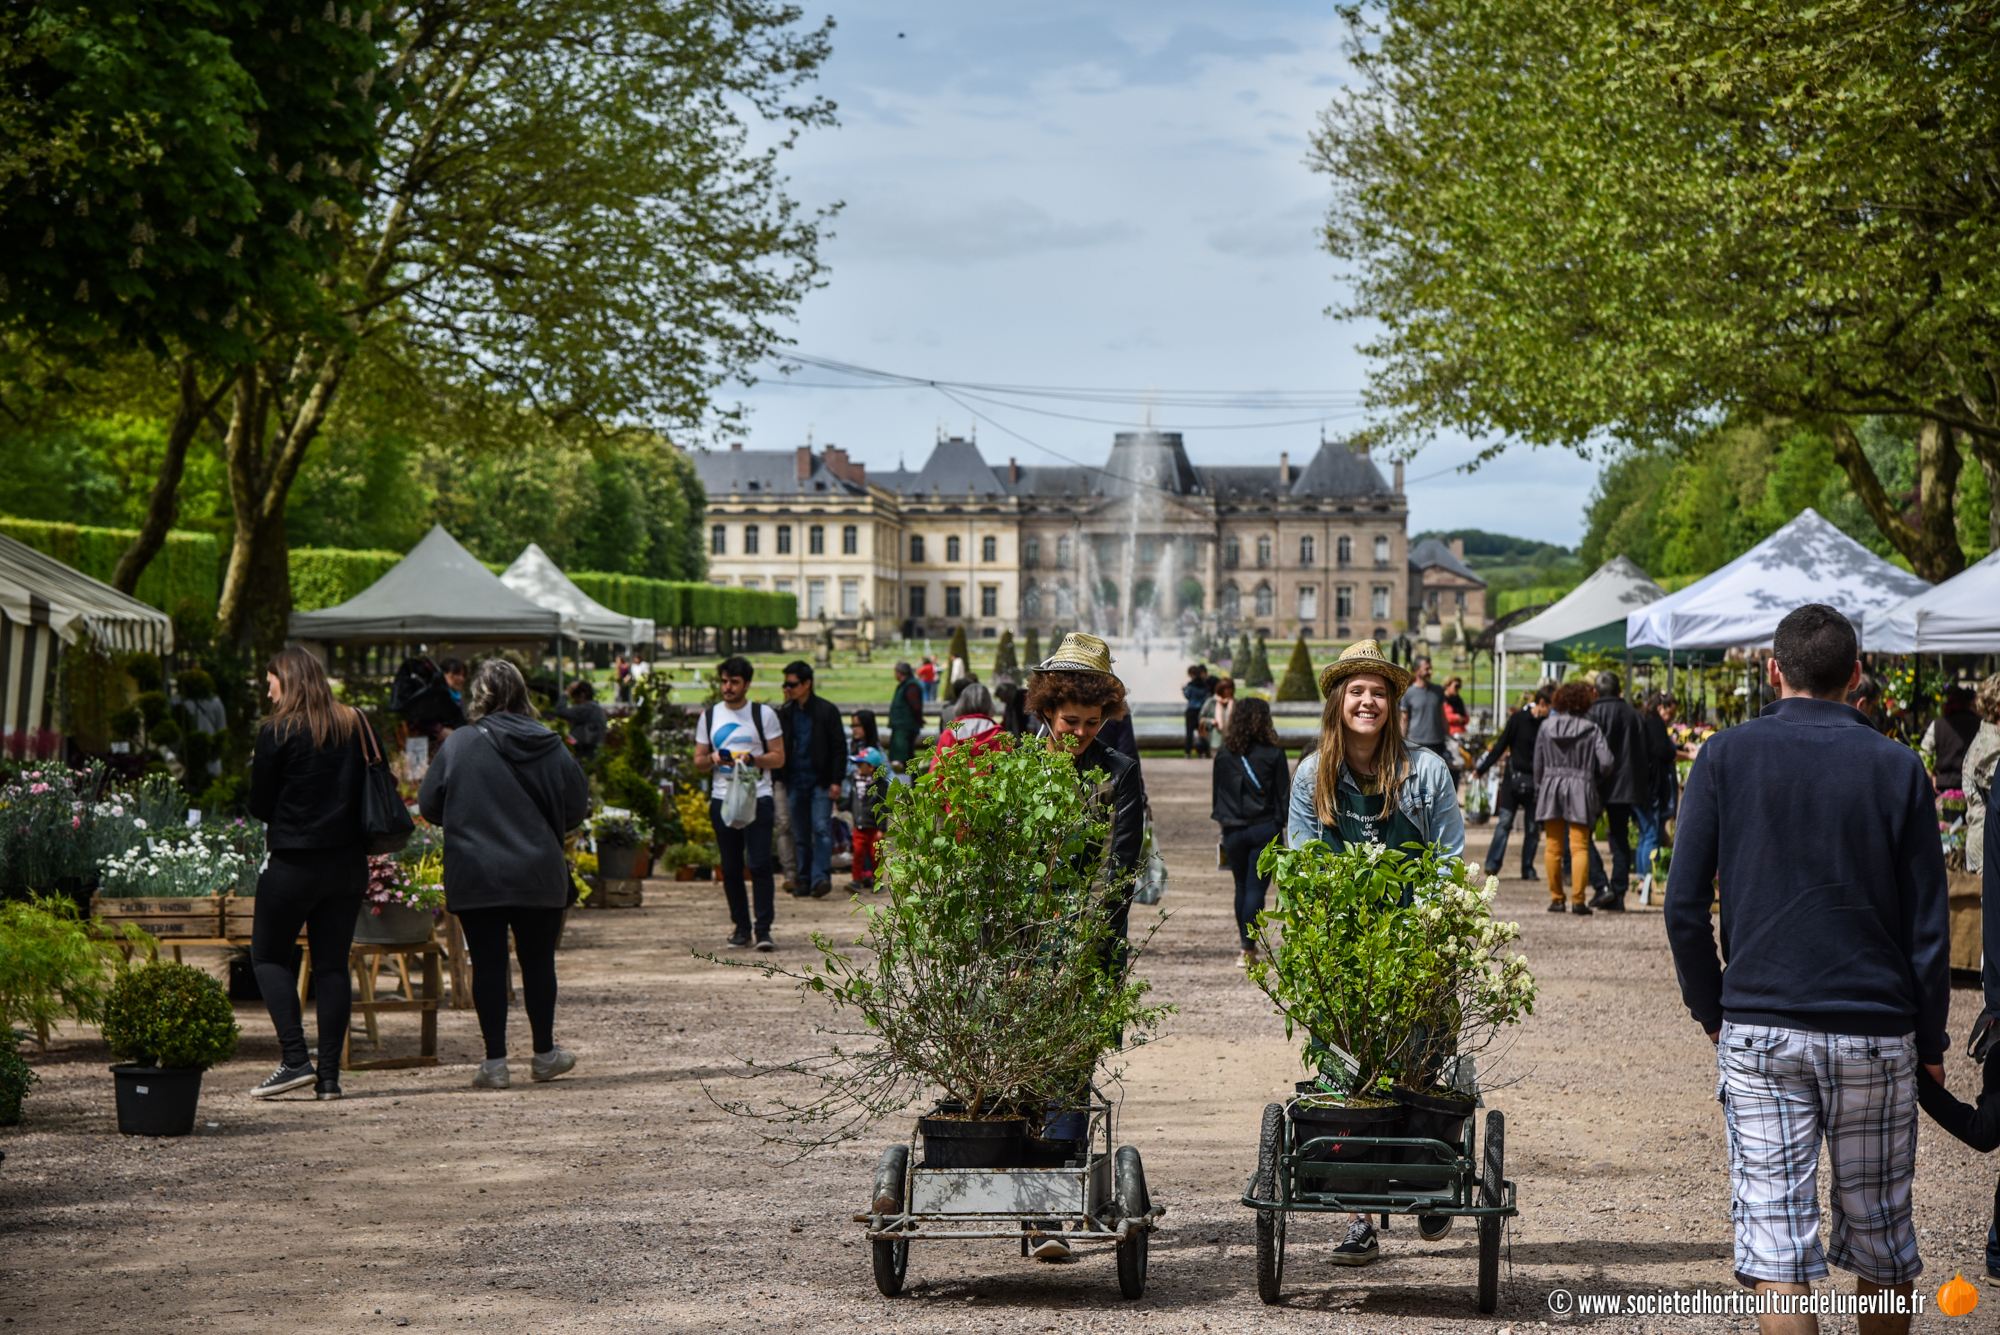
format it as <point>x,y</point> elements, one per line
<point>1360,821</point>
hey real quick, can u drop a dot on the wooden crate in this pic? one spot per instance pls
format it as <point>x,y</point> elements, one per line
<point>1967,923</point>
<point>239,913</point>
<point>617,893</point>
<point>163,918</point>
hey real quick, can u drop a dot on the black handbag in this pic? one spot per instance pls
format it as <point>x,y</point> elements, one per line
<point>384,819</point>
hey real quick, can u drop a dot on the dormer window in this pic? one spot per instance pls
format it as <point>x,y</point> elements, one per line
<point>819,486</point>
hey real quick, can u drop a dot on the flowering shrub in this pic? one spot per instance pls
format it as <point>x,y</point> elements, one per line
<point>1390,962</point>
<point>417,885</point>
<point>47,825</point>
<point>198,865</point>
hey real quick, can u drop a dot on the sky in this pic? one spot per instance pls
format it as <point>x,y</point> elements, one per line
<point>1097,195</point>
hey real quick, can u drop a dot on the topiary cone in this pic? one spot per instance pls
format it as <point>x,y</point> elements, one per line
<point>1298,683</point>
<point>1260,664</point>
<point>1239,666</point>
<point>1003,655</point>
<point>957,649</point>
<point>1034,647</point>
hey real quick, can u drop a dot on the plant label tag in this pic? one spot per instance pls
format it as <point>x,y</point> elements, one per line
<point>143,1089</point>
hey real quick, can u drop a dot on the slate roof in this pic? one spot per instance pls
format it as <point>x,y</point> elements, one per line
<point>955,466</point>
<point>765,472</point>
<point>1337,470</point>
<point>1430,552</point>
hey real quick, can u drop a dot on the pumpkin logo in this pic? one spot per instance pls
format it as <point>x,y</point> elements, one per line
<point>1957,1297</point>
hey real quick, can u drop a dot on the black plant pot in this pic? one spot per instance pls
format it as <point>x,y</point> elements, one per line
<point>1310,1120</point>
<point>1433,1117</point>
<point>616,862</point>
<point>961,1142</point>
<point>155,1100</point>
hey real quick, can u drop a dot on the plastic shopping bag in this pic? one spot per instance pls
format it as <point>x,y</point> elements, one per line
<point>739,797</point>
<point>1152,884</point>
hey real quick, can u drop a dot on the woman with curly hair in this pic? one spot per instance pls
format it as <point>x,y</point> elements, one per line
<point>1074,694</point>
<point>1570,755</point>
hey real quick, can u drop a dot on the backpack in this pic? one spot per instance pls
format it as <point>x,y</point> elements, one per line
<point>756,723</point>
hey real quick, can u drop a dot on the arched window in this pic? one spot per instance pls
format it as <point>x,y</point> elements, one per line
<point>1065,602</point>
<point>1264,600</point>
<point>1232,602</point>
<point>1063,553</point>
<point>1343,548</point>
<point>1263,553</point>
<point>1031,603</point>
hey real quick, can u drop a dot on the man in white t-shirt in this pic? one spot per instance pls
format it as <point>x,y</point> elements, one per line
<point>730,733</point>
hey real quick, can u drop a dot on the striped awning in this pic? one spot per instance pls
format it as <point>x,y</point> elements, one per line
<point>38,590</point>
<point>27,674</point>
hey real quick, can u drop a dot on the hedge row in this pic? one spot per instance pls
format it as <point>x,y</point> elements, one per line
<point>680,603</point>
<point>324,576</point>
<point>188,568</point>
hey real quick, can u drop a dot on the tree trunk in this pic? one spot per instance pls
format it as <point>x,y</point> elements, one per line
<point>1931,544</point>
<point>163,507</point>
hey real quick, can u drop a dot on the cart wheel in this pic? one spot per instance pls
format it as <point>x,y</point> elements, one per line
<point>1270,1223</point>
<point>892,1259</point>
<point>1129,1179</point>
<point>1492,1194</point>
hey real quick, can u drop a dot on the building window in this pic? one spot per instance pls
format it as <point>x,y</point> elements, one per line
<point>1378,602</point>
<point>1232,602</point>
<point>1190,552</point>
<point>718,541</point>
<point>1308,603</point>
<point>850,540</point>
<point>1343,601</point>
<point>1306,551</point>
<point>1031,552</point>
<point>1063,554</point>
<point>950,550</point>
<point>1031,604</point>
<point>1263,553</point>
<point>1232,553</point>
<point>783,586</point>
<point>815,598</point>
<point>749,539</point>
<point>1460,596</point>
<point>850,597</point>
<point>816,540</point>
<point>1065,602</point>
<point>989,599</point>
<point>1264,600</point>
<point>916,549</point>
<point>1343,548</point>
<point>954,606</point>
<point>1147,553</point>
<point>1381,551</point>
<point>784,539</point>
<point>989,549</point>
<point>752,582</point>
<point>917,600</point>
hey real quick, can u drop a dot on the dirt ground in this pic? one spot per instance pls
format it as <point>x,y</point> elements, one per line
<point>619,1199</point>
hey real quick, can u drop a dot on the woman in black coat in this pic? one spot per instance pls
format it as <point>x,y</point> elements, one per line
<point>1251,788</point>
<point>305,785</point>
<point>507,791</point>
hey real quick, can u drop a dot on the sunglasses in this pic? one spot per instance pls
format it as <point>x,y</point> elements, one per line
<point>791,685</point>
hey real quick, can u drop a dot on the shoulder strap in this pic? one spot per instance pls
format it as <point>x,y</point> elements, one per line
<point>1251,772</point>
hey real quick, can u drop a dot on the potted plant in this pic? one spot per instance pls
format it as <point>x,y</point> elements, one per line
<point>402,900</point>
<point>169,1023</point>
<point>172,884</point>
<point>16,1076</point>
<point>988,981</point>
<point>617,837</point>
<point>1390,963</point>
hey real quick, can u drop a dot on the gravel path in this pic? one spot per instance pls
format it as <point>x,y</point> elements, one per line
<point>620,1199</point>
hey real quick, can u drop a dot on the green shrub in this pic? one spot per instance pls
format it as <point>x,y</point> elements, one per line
<point>325,576</point>
<point>1298,683</point>
<point>1260,665</point>
<point>170,1015</point>
<point>1003,655</point>
<point>52,967</point>
<point>957,651</point>
<point>1034,647</point>
<point>624,787</point>
<point>187,569</point>
<point>16,1076</point>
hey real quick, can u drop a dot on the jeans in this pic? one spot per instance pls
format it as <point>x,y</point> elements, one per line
<point>782,846</point>
<point>1241,846</point>
<point>1651,832</point>
<point>1619,816</point>
<point>751,847</point>
<point>318,889</point>
<point>930,689</point>
<point>535,932</point>
<point>1506,811</point>
<point>812,810</point>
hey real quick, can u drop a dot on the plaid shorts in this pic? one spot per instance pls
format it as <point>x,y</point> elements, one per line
<point>1781,1091</point>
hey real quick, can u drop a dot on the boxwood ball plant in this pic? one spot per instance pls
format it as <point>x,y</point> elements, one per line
<point>991,975</point>
<point>169,1015</point>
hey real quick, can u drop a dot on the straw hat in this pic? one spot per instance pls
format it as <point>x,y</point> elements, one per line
<point>1363,656</point>
<point>1078,653</point>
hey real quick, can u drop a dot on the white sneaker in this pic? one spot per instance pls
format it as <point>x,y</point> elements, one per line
<point>558,1060</point>
<point>1051,1249</point>
<point>491,1074</point>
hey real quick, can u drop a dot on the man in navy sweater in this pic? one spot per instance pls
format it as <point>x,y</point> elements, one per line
<point>1819,836</point>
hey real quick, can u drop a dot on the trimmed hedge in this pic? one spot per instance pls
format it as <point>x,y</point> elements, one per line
<point>325,576</point>
<point>188,568</point>
<point>682,603</point>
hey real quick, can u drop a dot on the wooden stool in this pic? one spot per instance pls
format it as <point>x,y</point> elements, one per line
<point>364,959</point>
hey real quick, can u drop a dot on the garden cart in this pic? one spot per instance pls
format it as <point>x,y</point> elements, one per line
<point>1092,1197</point>
<point>1307,1163</point>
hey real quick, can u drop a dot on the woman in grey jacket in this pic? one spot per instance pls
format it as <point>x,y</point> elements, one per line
<point>1570,755</point>
<point>506,791</point>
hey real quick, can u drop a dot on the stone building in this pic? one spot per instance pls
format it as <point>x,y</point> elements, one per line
<point>1142,546</point>
<point>1444,591</point>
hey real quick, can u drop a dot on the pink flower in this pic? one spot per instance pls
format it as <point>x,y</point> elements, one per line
<point>39,788</point>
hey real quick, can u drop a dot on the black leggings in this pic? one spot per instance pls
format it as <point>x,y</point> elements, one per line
<point>318,889</point>
<point>535,947</point>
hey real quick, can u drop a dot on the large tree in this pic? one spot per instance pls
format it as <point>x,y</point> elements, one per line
<point>570,217</point>
<point>1590,221</point>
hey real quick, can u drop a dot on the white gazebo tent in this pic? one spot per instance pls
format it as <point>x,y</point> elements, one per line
<point>43,601</point>
<point>535,577</point>
<point>1613,591</point>
<point>1959,616</point>
<point>1740,605</point>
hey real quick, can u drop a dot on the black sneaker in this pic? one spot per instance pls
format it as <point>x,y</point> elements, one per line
<point>765,944</point>
<point>1359,1247</point>
<point>327,1090</point>
<point>1580,910</point>
<point>1434,1227</point>
<point>1601,898</point>
<point>285,1078</point>
<point>738,939</point>
<point>1557,906</point>
<point>821,889</point>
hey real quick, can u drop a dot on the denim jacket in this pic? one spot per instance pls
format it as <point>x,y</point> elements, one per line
<point>1429,798</point>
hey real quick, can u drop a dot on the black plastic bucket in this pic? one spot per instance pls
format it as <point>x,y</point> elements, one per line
<point>961,1142</point>
<point>156,1101</point>
<point>1310,1120</point>
<point>1433,1117</point>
